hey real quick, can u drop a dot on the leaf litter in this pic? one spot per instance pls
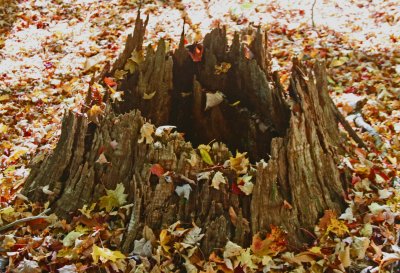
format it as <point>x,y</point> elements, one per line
<point>50,51</point>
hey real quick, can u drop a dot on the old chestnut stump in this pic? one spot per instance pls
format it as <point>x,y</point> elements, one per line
<point>298,144</point>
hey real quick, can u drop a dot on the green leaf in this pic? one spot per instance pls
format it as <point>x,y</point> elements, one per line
<point>69,240</point>
<point>206,156</point>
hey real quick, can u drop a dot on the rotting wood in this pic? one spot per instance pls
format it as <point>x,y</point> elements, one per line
<point>298,145</point>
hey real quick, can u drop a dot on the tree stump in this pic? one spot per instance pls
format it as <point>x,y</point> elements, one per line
<point>295,147</point>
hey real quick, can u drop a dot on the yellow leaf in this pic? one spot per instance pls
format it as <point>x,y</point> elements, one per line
<point>222,68</point>
<point>19,151</point>
<point>148,96</point>
<point>245,260</point>
<point>133,62</point>
<point>4,97</point>
<point>114,198</point>
<point>94,113</point>
<point>105,255</point>
<point>86,211</point>
<point>164,240</point>
<point>339,62</point>
<point>120,74</point>
<point>146,132</point>
<point>337,227</point>
<point>239,163</point>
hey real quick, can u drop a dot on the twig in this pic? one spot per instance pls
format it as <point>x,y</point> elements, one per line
<point>27,219</point>
<point>312,13</point>
<point>340,118</point>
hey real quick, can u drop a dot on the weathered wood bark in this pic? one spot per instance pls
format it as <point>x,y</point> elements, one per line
<point>298,144</point>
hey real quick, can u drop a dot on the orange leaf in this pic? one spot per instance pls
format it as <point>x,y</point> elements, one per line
<point>269,244</point>
<point>109,81</point>
<point>157,169</point>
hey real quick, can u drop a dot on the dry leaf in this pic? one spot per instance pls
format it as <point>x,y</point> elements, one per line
<point>213,99</point>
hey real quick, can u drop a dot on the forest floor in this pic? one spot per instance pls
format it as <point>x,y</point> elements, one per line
<point>49,51</point>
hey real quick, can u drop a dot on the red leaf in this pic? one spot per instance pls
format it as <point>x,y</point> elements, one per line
<point>236,189</point>
<point>109,81</point>
<point>157,169</point>
<point>196,53</point>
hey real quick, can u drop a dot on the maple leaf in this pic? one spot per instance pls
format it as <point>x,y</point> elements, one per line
<point>246,260</point>
<point>104,254</point>
<point>28,266</point>
<point>114,198</point>
<point>143,247</point>
<point>239,163</point>
<point>193,236</point>
<point>232,250</point>
<point>94,113</point>
<point>87,211</point>
<point>134,61</point>
<point>269,244</point>
<point>337,227</point>
<point>217,180</point>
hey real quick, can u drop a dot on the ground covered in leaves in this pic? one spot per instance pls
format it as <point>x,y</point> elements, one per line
<point>50,49</point>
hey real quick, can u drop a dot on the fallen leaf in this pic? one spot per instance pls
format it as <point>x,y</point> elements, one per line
<point>157,169</point>
<point>213,99</point>
<point>28,266</point>
<point>69,240</point>
<point>109,81</point>
<point>239,163</point>
<point>102,159</point>
<point>71,268</point>
<point>146,133</point>
<point>148,96</point>
<point>205,155</point>
<point>217,180</point>
<point>114,198</point>
<point>183,191</point>
<point>104,254</point>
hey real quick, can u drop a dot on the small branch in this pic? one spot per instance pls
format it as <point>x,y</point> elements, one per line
<point>312,13</point>
<point>27,219</point>
<point>350,130</point>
